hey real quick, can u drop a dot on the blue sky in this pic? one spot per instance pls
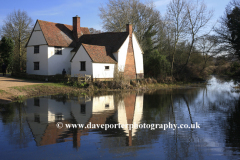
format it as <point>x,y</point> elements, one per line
<point>62,11</point>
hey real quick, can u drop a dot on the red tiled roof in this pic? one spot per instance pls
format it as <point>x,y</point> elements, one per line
<point>57,34</point>
<point>102,46</point>
<point>98,54</point>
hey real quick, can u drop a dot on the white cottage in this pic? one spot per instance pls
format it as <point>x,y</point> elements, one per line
<point>43,113</point>
<point>53,47</point>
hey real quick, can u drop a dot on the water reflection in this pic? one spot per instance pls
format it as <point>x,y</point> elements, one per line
<point>43,113</point>
<point>215,107</point>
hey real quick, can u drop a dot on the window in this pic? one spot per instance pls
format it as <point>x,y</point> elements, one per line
<point>58,50</point>
<point>36,65</point>
<point>36,118</point>
<point>36,102</point>
<point>36,49</point>
<point>83,66</point>
<point>58,117</point>
<point>83,109</point>
<point>106,67</point>
<point>106,106</point>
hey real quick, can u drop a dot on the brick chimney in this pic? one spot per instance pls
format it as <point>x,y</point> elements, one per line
<point>76,27</point>
<point>129,29</point>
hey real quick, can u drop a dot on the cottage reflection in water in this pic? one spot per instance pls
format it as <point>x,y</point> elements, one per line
<point>43,114</point>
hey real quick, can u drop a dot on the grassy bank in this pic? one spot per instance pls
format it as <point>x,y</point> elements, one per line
<point>23,92</point>
<point>73,89</point>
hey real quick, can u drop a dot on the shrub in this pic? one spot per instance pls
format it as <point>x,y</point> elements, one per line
<point>133,83</point>
<point>156,65</point>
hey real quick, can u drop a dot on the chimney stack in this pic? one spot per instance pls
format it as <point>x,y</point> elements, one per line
<point>76,27</point>
<point>129,29</point>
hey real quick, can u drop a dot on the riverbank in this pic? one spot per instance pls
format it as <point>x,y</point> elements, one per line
<point>12,89</point>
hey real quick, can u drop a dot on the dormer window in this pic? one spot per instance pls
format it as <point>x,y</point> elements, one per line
<point>58,50</point>
<point>36,49</point>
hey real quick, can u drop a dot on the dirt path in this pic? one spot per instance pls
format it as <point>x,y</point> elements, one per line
<point>6,82</point>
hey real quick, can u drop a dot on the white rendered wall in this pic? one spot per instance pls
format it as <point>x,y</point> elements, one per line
<point>99,103</point>
<point>121,113</point>
<point>55,107</point>
<point>41,57</point>
<point>81,55</point>
<point>138,112</point>
<point>81,118</point>
<point>37,37</point>
<point>99,70</point>
<point>42,110</point>
<point>138,55</point>
<point>116,56</point>
<point>137,117</point>
<point>38,129</point>
<point>56,63</point>
<point>37,27</point>
<point>122,54</point>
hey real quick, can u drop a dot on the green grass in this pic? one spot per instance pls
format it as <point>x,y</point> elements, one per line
<point>31,87</point>
<point>2,91</point>
<point>54,84</point>
<point>44,84</point>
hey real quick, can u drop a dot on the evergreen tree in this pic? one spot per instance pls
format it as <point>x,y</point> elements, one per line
<point>233,24</point>
<point>149,43</point>
<point>6,50</point>
<point>228,33</point>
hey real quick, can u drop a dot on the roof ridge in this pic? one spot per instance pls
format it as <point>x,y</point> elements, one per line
<point>111,32</point>
<point>55,22</point>
<point>58,34</point>
<point>92,45</point>
<point>60,23</point>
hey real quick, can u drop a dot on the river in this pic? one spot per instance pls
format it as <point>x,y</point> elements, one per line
<point>190,123</point>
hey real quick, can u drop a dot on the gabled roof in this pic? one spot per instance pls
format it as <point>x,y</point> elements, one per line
<point>98,54</point>
<point>101,47</point>
<point>111,40</point>
<point>57,34</point>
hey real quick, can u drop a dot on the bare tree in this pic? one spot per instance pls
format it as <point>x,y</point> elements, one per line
<point>117,13</point>
<point>176,34</point>
<point>94,31</point>
<point>209,47</point>
<point>177,24</point>
<point>198,17</point>
<point>18,26</point>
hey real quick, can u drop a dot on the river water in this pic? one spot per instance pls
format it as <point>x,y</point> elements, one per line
<point>192,123</point>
